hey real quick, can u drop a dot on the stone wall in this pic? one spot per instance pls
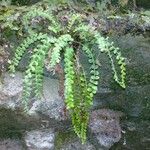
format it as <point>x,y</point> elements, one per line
<point>46,127</point>
<point>46,120</point>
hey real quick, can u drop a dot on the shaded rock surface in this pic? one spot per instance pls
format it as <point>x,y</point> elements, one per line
<point>136,135</point>
<point>11,90</point>
<point>104,125</point>
<point>13,124</point>
<point>76,145</point>
<point>134,100</point>
<point>11,145</point>
<point>51,104</point>
<point>40,140</point>
<point>67,140</point>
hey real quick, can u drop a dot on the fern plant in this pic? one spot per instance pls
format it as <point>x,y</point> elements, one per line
<point>59,42</point>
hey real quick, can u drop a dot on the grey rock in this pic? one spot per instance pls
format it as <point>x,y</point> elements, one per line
<point>68,140</point>
<point>76,145</point>
<point>136,101</point>
<point>135,136</point>
<point>91,2</point>
<point>9,144</point>
<point>40,140</point>
<point>13,123</point>
<point>104,125</point>
<point>51,104</point>
<point>11,90</point>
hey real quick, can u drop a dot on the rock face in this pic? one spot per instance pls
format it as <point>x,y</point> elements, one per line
<point>10,145</point>
<point>104,125</point>
<point>47,115</point>
<point>67,140</point>
<point>76,145</point>
<point>10,91</point>
<point>40,140</point>
<point>50,105</point>
<point>134,100</point>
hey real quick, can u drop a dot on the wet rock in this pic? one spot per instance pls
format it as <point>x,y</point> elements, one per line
<point>10,144</point>
<point>40,139</point>
<point>104,125</point>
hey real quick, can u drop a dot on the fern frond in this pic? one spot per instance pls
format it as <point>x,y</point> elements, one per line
<point>59,45</point>
<point>111,50</point>
<point>72,19</point>
<point>106,46</point>
<point>80,112</point>
<point>34,73</point>
<point>54,26</point>
<point>20,50</point>
<point>93,71</point>
<point>69,77</point>
<point>79,88</point>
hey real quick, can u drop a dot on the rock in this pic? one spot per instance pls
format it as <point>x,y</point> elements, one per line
<point>68,140</point>
<point>136,135</point>
<point>136,51</point>
<point>51,105</point>
<point>91,2</point>
<point>143,3</point>
<point>104,125</point>
<point>102,97</point>
<point>13,123</point>
<point>3,58</point>
<point>11,90</point>
<point>10,144</point>
<point>40,139</point>
<point>136,102</point>
<point>76,145</point>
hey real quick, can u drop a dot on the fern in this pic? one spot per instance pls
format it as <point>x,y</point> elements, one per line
<point>80,111</point>
<point>64,43</point>
<point>34,73</point>
<point>21,50</point>
<point>69,77</point>
<point>54,26</point>
<point>61,43</point>
<point>110,50</point>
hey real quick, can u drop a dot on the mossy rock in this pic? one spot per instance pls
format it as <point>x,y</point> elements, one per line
<point>143,3</point>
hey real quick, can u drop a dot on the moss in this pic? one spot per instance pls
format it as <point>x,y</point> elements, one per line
<point>137,135</point>
<point>13,124</point>
<point>10,128</point>
<point>143,3</point>
<point>63,138</point>
<point>138,77</point>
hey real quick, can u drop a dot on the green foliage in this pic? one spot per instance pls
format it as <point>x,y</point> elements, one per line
<point>16,2</point>
<point>59,42</point>
<point>10,16</point>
